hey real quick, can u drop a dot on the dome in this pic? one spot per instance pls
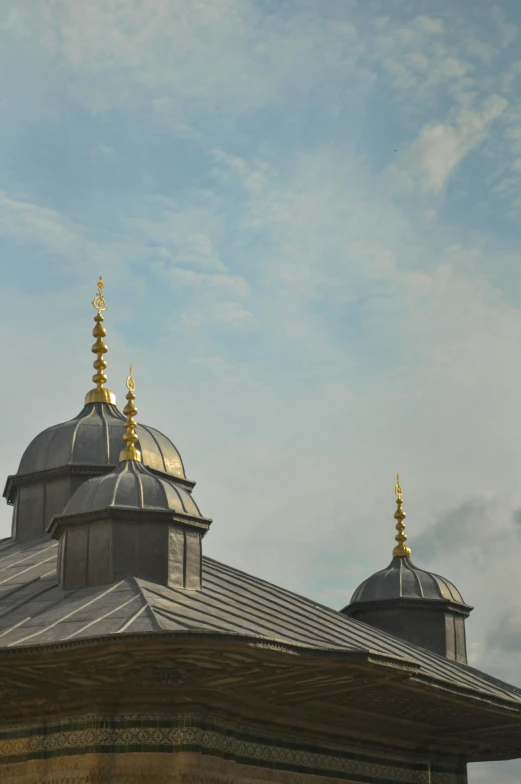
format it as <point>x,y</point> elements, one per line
<point>94,438</point>
<point>403,580</point>
<point>131,486</point>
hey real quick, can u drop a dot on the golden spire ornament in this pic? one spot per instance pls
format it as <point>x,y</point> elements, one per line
<point>130,452</point>
<point>100,394</point>
<point>401,548</point>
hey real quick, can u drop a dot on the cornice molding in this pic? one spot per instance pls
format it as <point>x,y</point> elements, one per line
<point>14,481</point>
<point>401,602</point>
<point>123,514</point>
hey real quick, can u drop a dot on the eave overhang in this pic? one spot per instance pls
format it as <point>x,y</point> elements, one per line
<point>350,696</point>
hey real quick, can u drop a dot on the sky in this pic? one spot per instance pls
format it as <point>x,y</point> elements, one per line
<point>307,219</point>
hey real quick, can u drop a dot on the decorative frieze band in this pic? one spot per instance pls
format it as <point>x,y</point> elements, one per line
<point>157,733</point>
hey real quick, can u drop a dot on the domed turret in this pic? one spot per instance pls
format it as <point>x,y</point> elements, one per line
<point>64,456</point>
<point>131,485</point>
<point>130,522</point>
<point>93,438</point>
<point>411,603</point>
<point>403,580</point>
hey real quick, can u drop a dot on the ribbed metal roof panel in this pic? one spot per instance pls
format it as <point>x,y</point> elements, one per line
<point>35,610</point>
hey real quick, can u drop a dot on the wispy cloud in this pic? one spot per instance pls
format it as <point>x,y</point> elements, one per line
<point>223,314</point>
<point>307,222</point>
<point>440,147</point>
<point>26,222</point>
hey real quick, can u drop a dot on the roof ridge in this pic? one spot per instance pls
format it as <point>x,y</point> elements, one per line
<point>396,646</point>
<point>149,609</point>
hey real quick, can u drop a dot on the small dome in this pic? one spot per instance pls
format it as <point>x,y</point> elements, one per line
<point>132,486</point>
<point>94,438</point>
<point>403,580</point>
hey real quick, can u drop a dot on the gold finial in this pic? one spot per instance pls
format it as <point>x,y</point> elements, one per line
<point>401,548</point>
<point>99,394</point>
<point>130,452</point>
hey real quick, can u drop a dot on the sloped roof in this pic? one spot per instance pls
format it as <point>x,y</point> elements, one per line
<point>34,611</point>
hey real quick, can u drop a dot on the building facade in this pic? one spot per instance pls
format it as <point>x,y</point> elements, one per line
<point>127,655</point>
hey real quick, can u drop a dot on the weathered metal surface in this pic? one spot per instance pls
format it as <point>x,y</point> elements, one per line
<point>415,605</point>
<point>239,645</point>
<point>131,485</point>
<point>34,611</point>
<point>94,437</point>
<point>60,458</point>
<point>403,579</point>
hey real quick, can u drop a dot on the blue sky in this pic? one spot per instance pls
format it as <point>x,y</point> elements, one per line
<point>307,218</point>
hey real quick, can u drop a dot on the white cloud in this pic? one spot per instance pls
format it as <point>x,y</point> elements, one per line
<point>27,222</point>
<point>226,372</point>
<point>186,234</point>
<point>222,314</point>
<point>381,337</point>
<point>440,147</point>
<point>178,276</point>
<point>205,54</point>
<point>253,176</point>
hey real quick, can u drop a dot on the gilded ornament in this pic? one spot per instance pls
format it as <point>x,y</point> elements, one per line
<point>130,452</point>
<point>99,300</point>
<point>100,394</point>
<point>401,548</point>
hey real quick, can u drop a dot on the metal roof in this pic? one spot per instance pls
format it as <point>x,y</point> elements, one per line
<point>34,611</point>
<point>131,485</point>
<point>94,437</point>
<point>402,579</point>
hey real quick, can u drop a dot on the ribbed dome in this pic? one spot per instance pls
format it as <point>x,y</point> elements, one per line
<point>403,580</point>
<point>131,485</point>
<point>94,438</point>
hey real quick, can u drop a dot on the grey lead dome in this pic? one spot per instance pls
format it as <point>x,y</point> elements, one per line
<point>131,486</point>
<point>403,580</point>
<point>95,438</point>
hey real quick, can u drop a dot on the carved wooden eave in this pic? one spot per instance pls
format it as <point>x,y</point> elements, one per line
<point>239,649</point>
<point>338,698</point>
